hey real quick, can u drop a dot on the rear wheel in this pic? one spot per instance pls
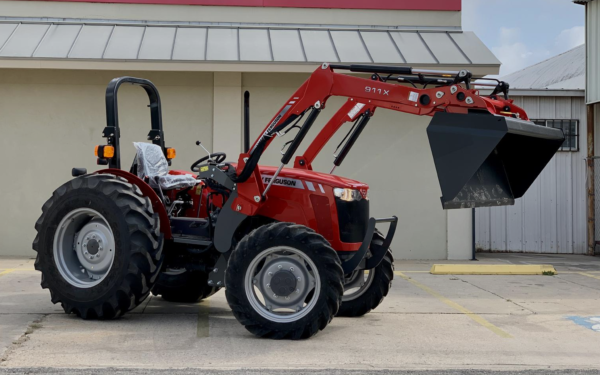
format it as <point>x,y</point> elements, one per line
<point>99,246</point>
<point>284,281</point>
<point>179,285</point>
<point>364,290</point>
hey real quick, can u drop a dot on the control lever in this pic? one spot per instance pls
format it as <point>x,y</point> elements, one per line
<point>198,143</point>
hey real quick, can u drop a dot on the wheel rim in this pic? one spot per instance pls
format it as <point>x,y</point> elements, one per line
<point>358,284</point>
<point>294,276</point>
<point>84,248</point>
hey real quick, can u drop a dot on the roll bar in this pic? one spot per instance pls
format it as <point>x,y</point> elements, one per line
<point>111,131</point>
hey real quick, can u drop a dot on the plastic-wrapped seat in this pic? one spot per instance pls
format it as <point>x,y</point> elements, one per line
<point>152,163</point>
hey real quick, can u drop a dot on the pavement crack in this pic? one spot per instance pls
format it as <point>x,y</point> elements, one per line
<point>573,282</point>
<point>497,295</point>
<point>31,328</point>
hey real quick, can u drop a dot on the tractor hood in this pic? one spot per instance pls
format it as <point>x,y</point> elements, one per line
<point>307,179</point>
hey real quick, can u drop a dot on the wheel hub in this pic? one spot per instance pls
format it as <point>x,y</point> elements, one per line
<point>84,247</point>
<point>92,247</point>
<point>283,283</point>
<point>287,281</point>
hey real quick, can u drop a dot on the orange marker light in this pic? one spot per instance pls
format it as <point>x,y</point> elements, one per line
<point>104,152</point>
<point>171,153</point>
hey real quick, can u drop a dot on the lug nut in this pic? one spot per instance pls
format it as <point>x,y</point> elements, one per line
<point>292,269</point>
<point>274,295</point>
<point>97,255</point>
<point>298,291</point>
<point>270,273</point>
<point>86,253</point>
<point>269,286</point>
<point>287,297</point>
<point>299,278</point>
<point>280,266</point>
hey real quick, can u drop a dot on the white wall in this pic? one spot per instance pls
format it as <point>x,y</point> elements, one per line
<point>551,217</point>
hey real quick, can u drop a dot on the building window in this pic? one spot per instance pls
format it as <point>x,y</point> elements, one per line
<point>569,127</point>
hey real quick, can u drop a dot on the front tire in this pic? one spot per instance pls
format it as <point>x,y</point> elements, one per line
<point>99,246</point>
<point>284,281</point>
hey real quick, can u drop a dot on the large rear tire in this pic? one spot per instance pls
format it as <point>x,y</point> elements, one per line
<point>185,287</point>
<point>284,281</point>
<point>364,291</point>
<point>99,246</point>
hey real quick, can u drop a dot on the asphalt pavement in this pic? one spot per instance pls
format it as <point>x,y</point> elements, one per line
<point>429,324</point>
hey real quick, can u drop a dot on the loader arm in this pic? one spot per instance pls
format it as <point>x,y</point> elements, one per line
<point>324,83</point>
<point>453,95</point>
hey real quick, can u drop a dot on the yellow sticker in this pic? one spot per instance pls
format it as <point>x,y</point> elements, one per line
<point>198,189</point>
<point>204,169</point>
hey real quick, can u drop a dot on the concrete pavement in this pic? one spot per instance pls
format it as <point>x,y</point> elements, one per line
<point>428,322</point>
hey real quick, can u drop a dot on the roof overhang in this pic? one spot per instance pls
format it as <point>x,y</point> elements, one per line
<point>110,45</point>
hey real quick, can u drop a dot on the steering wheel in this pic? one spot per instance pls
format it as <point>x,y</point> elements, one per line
<point>218,157</point>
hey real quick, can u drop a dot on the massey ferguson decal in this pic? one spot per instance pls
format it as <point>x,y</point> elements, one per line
<point>283,181</point>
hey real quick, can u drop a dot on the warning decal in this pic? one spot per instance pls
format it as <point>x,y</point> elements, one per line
<point>413,96</point>
<point>355,110</point>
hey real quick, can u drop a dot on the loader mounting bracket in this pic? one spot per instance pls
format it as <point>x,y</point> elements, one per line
<point>378,254</point>
<point>227,224</point>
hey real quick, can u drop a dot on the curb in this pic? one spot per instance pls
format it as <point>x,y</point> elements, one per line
<point>492,269</point>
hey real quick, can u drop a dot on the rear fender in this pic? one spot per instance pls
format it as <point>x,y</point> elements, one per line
<point>157,205</point>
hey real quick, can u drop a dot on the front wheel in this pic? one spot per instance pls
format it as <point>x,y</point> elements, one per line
<point>284,281</point>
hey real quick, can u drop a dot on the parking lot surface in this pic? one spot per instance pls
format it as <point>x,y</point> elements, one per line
<point>442,324</point>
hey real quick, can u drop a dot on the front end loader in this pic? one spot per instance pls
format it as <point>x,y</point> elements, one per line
<point>292,247</point>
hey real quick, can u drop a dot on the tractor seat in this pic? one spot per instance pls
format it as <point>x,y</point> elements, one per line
<point>152,163</point>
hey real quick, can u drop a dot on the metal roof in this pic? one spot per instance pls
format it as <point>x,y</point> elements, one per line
<point>563,72</point>
<point>72,40</point>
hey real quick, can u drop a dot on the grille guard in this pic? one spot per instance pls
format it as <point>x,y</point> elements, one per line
<point>377,252</point>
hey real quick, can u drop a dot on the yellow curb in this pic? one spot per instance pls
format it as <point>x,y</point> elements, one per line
<point>492,269</point>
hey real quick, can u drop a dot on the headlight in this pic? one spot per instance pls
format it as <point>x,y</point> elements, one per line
<point>348,195</point>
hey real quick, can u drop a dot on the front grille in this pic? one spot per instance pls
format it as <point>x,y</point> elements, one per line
<point>353,218</point>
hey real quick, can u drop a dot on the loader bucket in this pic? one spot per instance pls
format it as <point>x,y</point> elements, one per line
<point>485,160</point>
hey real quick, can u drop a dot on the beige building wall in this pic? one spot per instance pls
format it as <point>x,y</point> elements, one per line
<point>51,121</point>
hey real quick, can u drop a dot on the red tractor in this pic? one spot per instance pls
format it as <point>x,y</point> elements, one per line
<point>292,247</point>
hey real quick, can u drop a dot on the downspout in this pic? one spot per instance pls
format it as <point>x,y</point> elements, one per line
<point>591,195</point>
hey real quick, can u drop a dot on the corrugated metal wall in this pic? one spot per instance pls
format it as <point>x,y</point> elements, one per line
<point>551,217</point>
<point>593,51</point>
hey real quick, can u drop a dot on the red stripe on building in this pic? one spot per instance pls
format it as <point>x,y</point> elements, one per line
<point>452,5</point>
